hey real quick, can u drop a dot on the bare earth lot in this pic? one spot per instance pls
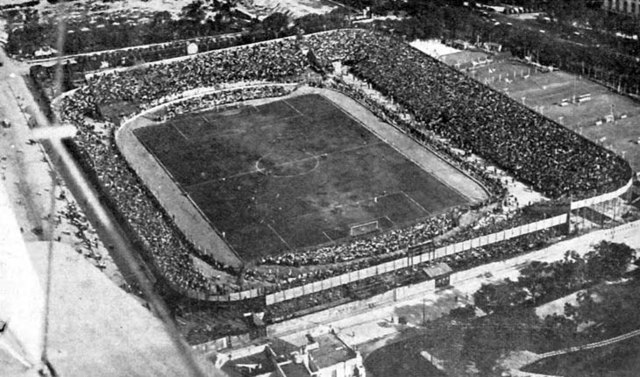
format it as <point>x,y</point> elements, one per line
<point>292,173</point>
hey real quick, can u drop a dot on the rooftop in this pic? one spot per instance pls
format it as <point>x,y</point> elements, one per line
<point>330,351</point>
<point>437,270</point>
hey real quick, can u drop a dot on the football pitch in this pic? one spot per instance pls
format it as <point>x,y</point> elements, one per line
<point>292,173</point>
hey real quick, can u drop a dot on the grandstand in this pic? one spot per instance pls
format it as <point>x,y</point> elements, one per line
<point>438,106</point>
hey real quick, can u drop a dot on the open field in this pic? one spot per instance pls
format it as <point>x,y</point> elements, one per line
<point>292,173</point>
<point>543,92</point>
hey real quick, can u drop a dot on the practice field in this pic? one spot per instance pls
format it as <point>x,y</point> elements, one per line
<point>292,173</point>
<point>557,95</point>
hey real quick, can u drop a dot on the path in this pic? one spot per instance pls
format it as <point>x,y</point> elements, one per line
<point>519,359</point>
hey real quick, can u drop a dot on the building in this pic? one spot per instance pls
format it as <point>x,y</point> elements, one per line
<point>324,355</point>
<point>441,272</point>
<point>623,6</point>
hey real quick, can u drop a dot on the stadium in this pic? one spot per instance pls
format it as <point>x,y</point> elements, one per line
<point>277,166</point>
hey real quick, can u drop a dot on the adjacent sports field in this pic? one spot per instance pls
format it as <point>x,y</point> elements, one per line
<point>292,173</point>
<point>545,93</point>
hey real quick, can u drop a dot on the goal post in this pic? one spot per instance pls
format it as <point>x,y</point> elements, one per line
<point>358,229</point>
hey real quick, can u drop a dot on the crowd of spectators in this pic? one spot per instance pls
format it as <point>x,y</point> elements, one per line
<point>438,99</point>
<point>410,275</point>
<point>278,61</point>
<point>400,117</point>
<point>366,252</point>
<point>144,54</point>
<point>223,97</point>
<point>97,150</point>
<point>552,159</point>
<point>380,244</point>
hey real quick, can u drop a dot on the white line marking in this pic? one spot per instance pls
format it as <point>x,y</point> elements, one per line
<point>393,223</point>
<point>408,154</point>
<point>414,202</point>
<point>281,239</point>
<point>291,106</point>
<point>206,120</point>
<point>326,235</point>
<point>180,132</point>
<point>318,156</point>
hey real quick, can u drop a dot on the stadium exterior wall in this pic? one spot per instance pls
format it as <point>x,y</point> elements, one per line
<point>336,313</point>
<point>354,276</point>
<point>458,247</point>
<point>601,198</point>
<point>405,262</point>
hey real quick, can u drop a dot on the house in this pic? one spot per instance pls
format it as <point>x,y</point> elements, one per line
<point>324,355</point>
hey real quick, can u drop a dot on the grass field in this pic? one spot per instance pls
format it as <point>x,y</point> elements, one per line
<point>291,174</point>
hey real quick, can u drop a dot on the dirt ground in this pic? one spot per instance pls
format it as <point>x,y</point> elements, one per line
<point>96,328</point>
<point>27,174</point>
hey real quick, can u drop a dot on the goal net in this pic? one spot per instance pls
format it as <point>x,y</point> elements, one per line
<point>359,229</point>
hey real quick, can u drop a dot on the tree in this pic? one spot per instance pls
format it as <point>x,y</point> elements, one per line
<point>537,278</point>
<point>499,297</point>
<point>491,337</point>
<point>571,272</point>
<point>275,23</point>
<point>193,12</point>
<point>608,260</point>
<point>558,331</point>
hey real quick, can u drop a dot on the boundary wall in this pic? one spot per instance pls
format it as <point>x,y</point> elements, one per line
<point>361,274</point>
<point>601,198</point>
<point>409,261</point>
<point>339,312</point>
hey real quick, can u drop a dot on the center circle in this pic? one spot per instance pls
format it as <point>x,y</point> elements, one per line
<point>279,166</point>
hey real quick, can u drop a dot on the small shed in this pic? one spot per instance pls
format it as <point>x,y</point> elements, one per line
<point>441,272</point>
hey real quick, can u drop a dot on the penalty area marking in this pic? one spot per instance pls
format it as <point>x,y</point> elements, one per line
<point>180,132</point>
<point>291,106</point>
<point>279,236</point>
<point>412,200</point>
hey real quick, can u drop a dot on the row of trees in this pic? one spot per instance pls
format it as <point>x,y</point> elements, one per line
<point>542,281</point>
<point>595,52</point>
<point>512,324</point>
<point>29,32</point>
<point>192,22</point>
